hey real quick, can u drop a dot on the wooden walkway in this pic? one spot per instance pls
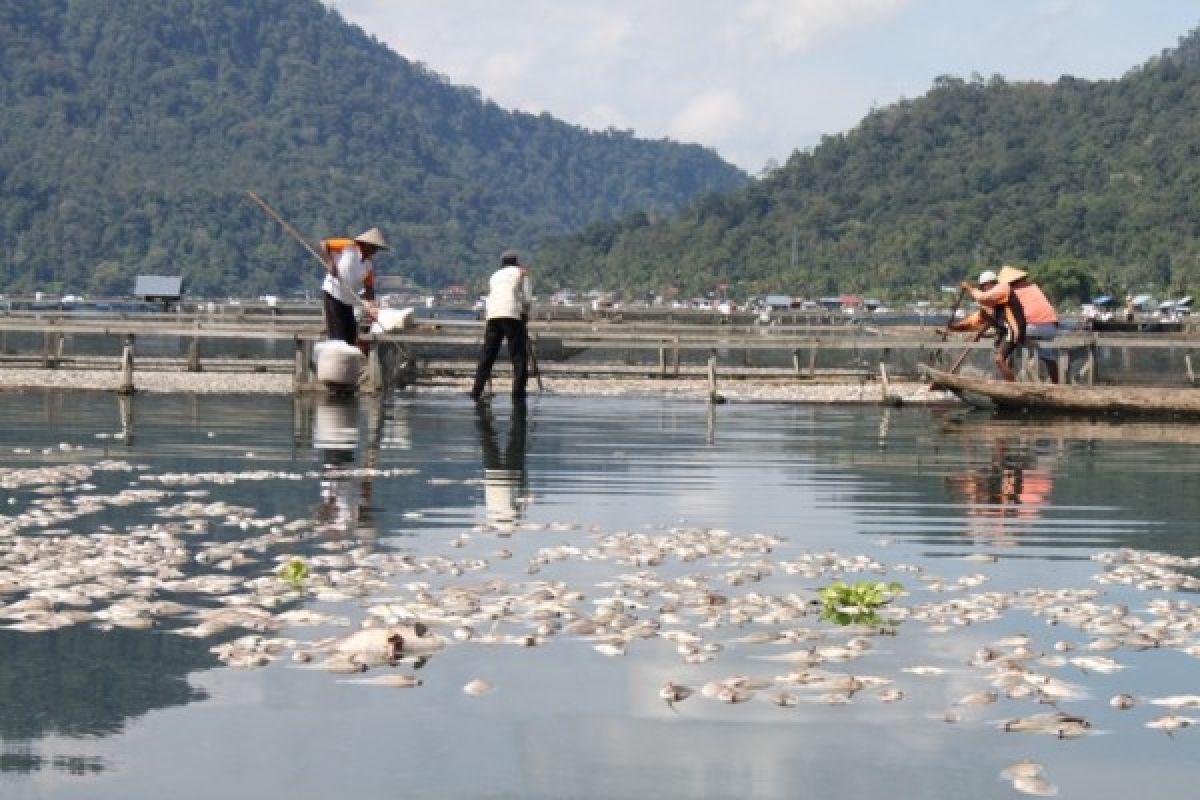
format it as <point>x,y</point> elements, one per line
<point>442,347</point>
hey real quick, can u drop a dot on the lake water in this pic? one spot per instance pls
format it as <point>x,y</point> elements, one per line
<point>745,501</point>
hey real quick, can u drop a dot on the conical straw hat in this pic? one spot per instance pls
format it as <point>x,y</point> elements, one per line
<point>372,237</point>
<point>1009,274</point>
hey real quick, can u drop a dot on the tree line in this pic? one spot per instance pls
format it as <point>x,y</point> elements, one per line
<point>130,131</point>
<point>1092,184</point>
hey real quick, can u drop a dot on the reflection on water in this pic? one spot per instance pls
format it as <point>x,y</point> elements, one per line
<point>642,506</point>
<point>505,479</point>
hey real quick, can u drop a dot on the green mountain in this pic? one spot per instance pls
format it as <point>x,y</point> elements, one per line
<point>1095,183</point>
<point>130,131</point>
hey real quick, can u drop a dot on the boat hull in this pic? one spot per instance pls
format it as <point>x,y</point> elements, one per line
<point>1128,400</point>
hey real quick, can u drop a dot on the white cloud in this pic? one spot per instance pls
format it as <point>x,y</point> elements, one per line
<point>608,36</point>
<point>710,117</point>
<point>791,26</point>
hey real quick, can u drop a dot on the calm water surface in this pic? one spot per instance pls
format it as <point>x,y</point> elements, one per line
<point>87,713</point>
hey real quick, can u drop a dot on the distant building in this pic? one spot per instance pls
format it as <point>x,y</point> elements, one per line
<point>164,289</point>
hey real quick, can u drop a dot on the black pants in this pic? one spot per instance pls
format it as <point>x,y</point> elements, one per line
<point>498,330</point>
<point>339,320</point>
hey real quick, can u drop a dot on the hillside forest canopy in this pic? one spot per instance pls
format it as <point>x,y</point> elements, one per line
<point>1093,185</point>
<point>131,130</point>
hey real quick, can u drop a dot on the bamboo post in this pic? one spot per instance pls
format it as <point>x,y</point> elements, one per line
<point>812,360</point>
<point>883,382</point>
<point>676,356</point>
<point>300,365</point>
<point>374,378</point>
<point>662,361</point>
<point>1187,360</point>
<point>1064,366</point>
<point>125,406</point>
<point>1090,365</point>
<point>126,384</point>
<point>796,361</point>
<point>194,356</point>
<point>713,395</point>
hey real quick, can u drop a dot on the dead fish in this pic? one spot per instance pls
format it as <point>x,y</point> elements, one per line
<point>1123,702</point>
<point>1064,726</point>
<point>1101,664</point>
<point>807,658</point>
<point>891,695</point>
<point>924,672</point>
<point>477,687</point>
<point>977,699</point>
<point>1170,723</point>
<point>674,693</point>
<point>1021,769</point>
<point>1034,785</point>
<point>395,680</point>
<point>1178,701</point>
<point>734,694</point>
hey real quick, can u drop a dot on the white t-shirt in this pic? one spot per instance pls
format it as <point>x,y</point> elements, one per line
<point>352,270</point>
<point>510,293</point>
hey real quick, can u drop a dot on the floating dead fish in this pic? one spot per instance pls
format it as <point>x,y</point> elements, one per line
<point>1034,785</point>
<point>977,699</point>
<point>924,671</point>
<point>890,695</point>
<point>1122,702</point>
<point>1170,723</point>
<point>1101,664</point>
<point>1178,701</point>
<point>674,693</point>
<point>1062,725</point>
<point>477,687</point>
<point>1021,769</point>
<point>393,679</point>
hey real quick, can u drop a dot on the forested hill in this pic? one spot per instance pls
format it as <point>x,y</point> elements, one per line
<point>976,172</point>
<point>130,131</point>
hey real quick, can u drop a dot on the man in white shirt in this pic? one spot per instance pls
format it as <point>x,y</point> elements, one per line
<point>510,297</point>
<point>350,268</point>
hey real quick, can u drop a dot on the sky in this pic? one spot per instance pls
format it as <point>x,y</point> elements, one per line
<point>757,79</point>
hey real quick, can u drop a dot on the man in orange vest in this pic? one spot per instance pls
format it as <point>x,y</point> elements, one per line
<point>1024,306</point>
<point>350,268</point>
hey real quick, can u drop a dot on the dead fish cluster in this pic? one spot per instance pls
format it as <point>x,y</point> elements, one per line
<point>415,606</point>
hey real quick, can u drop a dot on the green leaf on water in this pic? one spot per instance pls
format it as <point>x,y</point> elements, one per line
<point>294,572</point>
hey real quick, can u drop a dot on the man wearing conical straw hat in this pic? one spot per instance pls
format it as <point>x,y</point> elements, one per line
<point>1024,306</point>
<point>350,269</point>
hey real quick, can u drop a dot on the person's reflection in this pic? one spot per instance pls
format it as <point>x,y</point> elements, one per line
<point>505,480</point>
<point>345,491</point>
<point>1005,495</point>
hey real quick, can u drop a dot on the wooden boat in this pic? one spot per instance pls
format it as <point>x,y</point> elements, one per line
<point>1069,398</point>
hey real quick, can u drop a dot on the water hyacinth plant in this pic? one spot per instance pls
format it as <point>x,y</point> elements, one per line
<point>847,604</point>
<point>294,572</point>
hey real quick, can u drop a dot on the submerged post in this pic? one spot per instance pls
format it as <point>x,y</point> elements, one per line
<point>126,384</point>
<point>374,377</point>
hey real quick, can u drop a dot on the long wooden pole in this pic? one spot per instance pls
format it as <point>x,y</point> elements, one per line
<point>295,234</point>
